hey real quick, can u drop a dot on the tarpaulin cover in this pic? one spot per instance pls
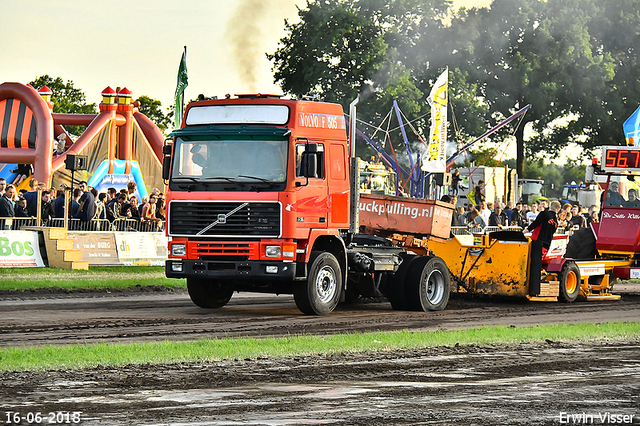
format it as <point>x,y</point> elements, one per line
<point>632,129</point>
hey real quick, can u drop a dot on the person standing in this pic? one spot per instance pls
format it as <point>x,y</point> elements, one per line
<point>542,230</point>
<point>21,208</point>
<point>101,206</point>
<point>131,189</point>
<point>533,213</point>
<point>485,210</point>
<point>149,211</point>
<point>6,205</point>
<point>58,204</point>
<point>476,221</point>
<point>478,193</point>
<point>498,217</point>
<point>74,205</point>
<point>577,220</point>
<point>3,185</point>
<point>517,216</point>
<point>6,202</point>
<point>509,211</point>
<point>46,207</point>
<point>87,204</point>
<point>455,182</point>
<point>111,194</point>
<point>32,197</point>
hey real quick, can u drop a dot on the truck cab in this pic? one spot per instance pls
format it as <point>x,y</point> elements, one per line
<point>255,183</point>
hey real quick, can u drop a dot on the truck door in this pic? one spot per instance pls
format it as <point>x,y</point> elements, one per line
<point>311,188</point>
<point>337,185</point>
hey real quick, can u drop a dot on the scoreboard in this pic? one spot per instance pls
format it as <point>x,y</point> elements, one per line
<point>620,159</point>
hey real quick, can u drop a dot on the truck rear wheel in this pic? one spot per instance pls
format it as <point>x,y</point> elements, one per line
<point>569,282</point>
<point>428,285</point>
<point>393,285</point>
<point>320,294</point>
<point>208,293</point>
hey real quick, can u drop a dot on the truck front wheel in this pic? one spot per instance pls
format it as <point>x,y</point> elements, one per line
<point>427,285</point>
<point>208,293</point>
<point>320,294</point>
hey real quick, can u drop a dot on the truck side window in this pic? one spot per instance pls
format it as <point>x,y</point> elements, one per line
<point>301,157</point>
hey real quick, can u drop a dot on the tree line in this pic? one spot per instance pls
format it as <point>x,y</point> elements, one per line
<point>574,61</point>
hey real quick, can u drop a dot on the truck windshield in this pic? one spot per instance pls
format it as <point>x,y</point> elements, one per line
<point>233,160</point>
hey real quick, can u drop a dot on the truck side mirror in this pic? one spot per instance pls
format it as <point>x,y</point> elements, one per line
<point>166,167</point>
<point>311,158</point>
<point>309,166</point>
<point>312,165</point>
<point>166,161</point>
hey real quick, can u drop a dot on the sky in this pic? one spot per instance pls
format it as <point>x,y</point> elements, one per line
<point>138,44</point>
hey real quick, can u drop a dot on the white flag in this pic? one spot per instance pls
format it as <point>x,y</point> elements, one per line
<point>436,161</point>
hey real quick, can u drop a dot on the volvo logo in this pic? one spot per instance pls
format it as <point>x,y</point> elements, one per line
<point>222,218</point>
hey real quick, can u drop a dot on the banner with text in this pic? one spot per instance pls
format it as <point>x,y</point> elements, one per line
<point>19,249</point>
<point>141,249</point>
<point>97,248</point>
<point>435,160</point>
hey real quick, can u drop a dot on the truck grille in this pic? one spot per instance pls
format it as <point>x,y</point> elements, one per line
<point>224,219</point>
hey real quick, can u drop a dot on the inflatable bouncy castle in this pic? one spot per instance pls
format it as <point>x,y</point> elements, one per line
<point>120,143</point>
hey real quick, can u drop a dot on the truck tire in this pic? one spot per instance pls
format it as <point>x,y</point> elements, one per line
<point>427,285</point>
<point>569,282</point>
<point>208,293</point>
<point>320,294</point>
<point>393,285</point>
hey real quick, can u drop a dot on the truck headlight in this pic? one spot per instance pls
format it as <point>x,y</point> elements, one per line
<point>176,267</point>
<point>272,251</point>
<point>178,250</point>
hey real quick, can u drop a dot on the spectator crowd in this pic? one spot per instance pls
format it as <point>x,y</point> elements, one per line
<point>518,215</point>
<point>85,204</point>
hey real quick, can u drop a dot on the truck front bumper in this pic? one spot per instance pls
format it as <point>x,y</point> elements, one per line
<point>237,271</point>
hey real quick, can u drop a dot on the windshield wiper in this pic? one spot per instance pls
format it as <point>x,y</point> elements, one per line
<point>228,179</point>
<point>261,179</point>
<point>189,178</point>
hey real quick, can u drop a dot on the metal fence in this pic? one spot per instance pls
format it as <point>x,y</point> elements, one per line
<point>464,230</point>
<point>95,225</point>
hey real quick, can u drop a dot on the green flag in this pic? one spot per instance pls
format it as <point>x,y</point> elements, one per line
<point>183,81</point>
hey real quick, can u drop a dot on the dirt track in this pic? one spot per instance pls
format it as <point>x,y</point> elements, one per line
<point>42,318</point>
<point>490,385</point>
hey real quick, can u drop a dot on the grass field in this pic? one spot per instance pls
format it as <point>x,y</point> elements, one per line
<point>96,277</point>
<point>92,355</point>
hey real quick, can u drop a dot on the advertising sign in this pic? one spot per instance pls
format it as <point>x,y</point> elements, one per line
<point>141,249</point>
<point>97,248</point>
<point>406,215</point>
<point>19,249</point>
<point>435,161</point>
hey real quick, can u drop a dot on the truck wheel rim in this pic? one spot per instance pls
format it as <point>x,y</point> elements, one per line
<point>571,283</point>
<point>435,287</point>
<point>326,284</point>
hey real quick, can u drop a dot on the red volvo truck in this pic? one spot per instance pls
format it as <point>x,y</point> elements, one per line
<point>263,196</point>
